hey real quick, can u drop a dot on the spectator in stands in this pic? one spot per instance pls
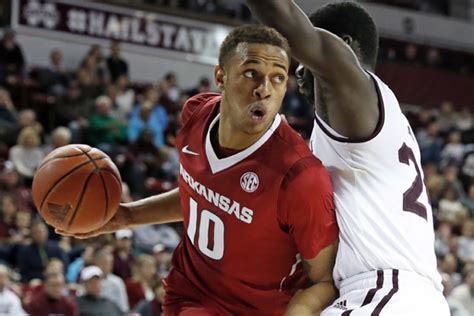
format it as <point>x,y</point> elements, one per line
<point>430,143</point>
<point>203,86</point>
<point>12,62</point>
<point>163,256</point>
<point>74,269</point>
<point>465,120</point>
<point>88,80</point>
<point>147,236</point>
<point>27,118</point>
<point>468,200</point>
<point>140,285</point>
<point>169,87</point>
<point>466,242</point>
<point>447,116</point>
<point>453,151</point>
<point>8,209</point>
<point>433,58</point>
<point>113,287</point>
<point>464,293</point>
<point>410,54</point>
<point>72,106</point>
<point>27,154</point>
<point>51,300</point>
<point>123,257</point>
<point>124,99</point>
<point>105,131</point>
<point>115,63</point>
<point>450,207</point>
<point>10,303</point>
<point>60,136</point>
<point>449,266</point>
<point>10,182</point>
<point>91,303</point>
<point>8,118</point>
<point>33,258</point>
<point>152,307</point>
<point>151,118</point>
<point>54,79</point>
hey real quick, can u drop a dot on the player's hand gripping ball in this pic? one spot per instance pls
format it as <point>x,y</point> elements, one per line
<point>77,188</point>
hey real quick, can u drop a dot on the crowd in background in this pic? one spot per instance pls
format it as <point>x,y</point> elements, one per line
<point>96,103</point>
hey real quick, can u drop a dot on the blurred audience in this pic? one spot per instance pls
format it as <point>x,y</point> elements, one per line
<point>10,303</point>
<point>52,299</point>
<point>92,303</point>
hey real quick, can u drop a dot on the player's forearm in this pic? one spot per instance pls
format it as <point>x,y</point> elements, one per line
<point>271,12</point>
<point>313,300</point>
<point>158,209</point>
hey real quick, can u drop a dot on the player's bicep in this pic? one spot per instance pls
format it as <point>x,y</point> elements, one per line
<point>320,267</point>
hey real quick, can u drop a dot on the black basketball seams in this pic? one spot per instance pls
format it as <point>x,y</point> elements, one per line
<point>59,157</point>
<point>81,197</point>
<point>63,177</point>
<point>113,174</point>
<point>106,197</point>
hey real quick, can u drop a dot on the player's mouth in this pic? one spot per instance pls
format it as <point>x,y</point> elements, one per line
<point>258,113</point>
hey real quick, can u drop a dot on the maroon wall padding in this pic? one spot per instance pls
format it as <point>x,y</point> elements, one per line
<point>427,87</point>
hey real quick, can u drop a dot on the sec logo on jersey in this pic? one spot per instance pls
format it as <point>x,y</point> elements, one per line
<point>249,182</point>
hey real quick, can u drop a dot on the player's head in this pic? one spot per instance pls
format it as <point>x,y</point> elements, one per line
<point>353,24</point>
<point>252,76</point>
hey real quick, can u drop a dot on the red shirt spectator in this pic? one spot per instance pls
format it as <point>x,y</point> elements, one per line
<point>51,300</point>
<point>123,258</point>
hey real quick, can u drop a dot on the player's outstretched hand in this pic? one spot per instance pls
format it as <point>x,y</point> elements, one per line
<point>121,220</point>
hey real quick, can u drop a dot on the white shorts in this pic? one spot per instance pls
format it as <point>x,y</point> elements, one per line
<point>388,293</point>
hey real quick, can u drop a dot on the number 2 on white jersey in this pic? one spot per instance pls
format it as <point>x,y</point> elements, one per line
<point>217,252</point>
<point>410,197</point>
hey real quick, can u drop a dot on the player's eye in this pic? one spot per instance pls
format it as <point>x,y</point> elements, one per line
<point>279,78</point>
<point>250,74</point>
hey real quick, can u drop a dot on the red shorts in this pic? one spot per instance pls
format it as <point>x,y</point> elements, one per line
<point>183,299</point>
<point>189,309</point>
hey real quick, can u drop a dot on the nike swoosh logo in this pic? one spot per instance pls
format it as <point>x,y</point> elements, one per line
<point>187,151</point>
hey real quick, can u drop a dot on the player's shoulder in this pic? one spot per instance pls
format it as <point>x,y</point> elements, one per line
<point>286,137</point>
<point>197,103</point>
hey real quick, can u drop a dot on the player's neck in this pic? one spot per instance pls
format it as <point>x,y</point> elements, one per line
<point>231,138</point>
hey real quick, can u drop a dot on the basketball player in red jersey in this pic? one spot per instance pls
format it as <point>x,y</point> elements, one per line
<point>244,174</point>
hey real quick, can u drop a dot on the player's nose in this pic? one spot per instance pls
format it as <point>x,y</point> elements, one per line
<point>263,90</point>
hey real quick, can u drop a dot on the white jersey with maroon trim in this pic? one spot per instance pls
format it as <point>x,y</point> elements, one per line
<point>383,209</point>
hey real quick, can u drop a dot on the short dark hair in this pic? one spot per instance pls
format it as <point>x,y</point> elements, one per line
<point>350,18</point>
<point>252,34</point>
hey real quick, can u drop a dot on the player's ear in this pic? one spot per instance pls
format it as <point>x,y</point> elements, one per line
<point>219,77</point>
<point>348,39</point>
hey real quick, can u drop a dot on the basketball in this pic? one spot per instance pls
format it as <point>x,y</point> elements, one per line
<point>77,188</point>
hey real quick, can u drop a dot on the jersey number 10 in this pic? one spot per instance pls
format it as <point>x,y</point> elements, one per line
<point>206,217</point>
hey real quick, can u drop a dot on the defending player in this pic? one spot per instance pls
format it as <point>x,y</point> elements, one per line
<point>244,177</point>
<point>386,263</point>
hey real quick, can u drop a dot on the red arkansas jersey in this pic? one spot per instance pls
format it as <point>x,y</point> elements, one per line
<point>248,217</point>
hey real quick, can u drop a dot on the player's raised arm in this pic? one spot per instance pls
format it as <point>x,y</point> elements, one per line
<point>316,48</point>
<point>352,109</point>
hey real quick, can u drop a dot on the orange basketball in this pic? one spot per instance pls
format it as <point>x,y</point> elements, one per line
<point>77,188</point>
